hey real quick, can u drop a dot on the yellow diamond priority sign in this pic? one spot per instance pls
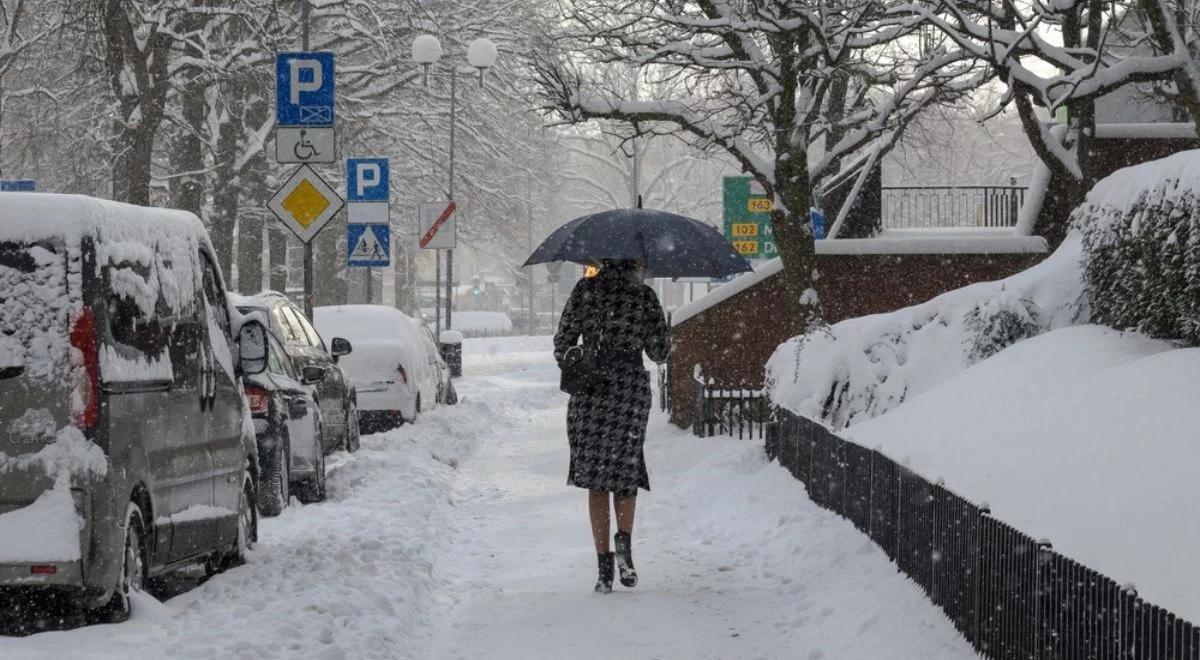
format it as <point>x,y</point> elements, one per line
<point>305,203</point>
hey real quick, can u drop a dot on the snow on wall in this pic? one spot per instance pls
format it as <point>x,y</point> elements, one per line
<point>862,367</point>
<point>916,241</point>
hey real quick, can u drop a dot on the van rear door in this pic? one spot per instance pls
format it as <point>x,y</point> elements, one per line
<point>37,308</point>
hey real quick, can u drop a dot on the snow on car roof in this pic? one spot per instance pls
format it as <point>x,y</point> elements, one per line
<point>30,217</point>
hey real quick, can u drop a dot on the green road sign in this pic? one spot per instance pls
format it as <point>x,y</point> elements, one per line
<point>748,218</point>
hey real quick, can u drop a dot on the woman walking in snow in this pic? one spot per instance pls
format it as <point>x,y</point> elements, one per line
<point>620,317</point>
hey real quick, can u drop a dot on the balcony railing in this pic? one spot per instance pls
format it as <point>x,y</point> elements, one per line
<point>927,207</point>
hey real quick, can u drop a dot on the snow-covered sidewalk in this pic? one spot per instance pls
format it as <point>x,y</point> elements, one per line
<point>734,560</point>
<point>456,537</point>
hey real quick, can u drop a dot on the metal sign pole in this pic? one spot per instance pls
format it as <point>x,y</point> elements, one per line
<point>308,246</point>
<point>370,282</point>
<point>450,253</point>
<point>437,293</point>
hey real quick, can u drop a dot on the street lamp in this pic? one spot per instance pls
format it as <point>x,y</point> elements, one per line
<point>481,54</point>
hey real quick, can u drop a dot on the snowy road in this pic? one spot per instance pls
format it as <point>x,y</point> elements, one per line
<point>457,538</point>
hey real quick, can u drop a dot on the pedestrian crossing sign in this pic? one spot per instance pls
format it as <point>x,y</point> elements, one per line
<point>368,246</point>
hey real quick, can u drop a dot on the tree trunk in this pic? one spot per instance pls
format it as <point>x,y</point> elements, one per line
<point>228,187</point>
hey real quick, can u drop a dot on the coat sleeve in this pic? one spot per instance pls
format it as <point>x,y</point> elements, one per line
<point>570,325</point>
<point>657,339</point>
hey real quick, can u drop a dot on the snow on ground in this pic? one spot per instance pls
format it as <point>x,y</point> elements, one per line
<point>457,537</point>
<point>734,561</point>
<point>1084,435</point>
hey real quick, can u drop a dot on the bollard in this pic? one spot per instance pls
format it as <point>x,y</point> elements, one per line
<point>451,349</point>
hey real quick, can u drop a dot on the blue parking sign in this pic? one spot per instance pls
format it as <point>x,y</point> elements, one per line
<point>367,179</point>
<point>368,245</point>
<point>304,89</point>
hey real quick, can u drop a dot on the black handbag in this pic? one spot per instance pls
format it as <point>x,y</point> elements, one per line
<point>579,367</point>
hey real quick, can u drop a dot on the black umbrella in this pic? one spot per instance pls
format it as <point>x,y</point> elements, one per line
<point>670,245</point>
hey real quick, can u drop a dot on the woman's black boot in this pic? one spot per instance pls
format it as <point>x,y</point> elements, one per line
<point>604,583</point>
<point>625,559</point>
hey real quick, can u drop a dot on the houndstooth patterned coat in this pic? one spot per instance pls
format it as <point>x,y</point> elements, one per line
<point>606,426</point>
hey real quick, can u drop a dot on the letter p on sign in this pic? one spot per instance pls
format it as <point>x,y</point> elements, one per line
<point>367,179</point>
<point>299,84</point>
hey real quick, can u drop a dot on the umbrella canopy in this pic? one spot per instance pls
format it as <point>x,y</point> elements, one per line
<point>670,245</point>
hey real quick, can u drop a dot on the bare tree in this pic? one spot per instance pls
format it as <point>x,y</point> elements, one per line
<point>1020,43</point>
<point>788,90</point>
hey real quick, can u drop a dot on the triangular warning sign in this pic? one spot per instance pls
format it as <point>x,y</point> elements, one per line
<point>368,247</point>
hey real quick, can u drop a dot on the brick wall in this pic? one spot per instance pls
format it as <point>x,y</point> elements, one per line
<point>733,339</point>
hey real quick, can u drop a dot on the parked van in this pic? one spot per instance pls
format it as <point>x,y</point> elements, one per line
<point>126,447</point>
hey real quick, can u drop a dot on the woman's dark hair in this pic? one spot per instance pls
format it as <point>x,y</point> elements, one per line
<point>619,265</point>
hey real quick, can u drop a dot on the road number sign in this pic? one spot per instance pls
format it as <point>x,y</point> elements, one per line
<point>745,229</point>
<point>760,205</point>
<point>746,248</point>
<point>305,203</point>
<point>304,89</point>
<point>438,226</point>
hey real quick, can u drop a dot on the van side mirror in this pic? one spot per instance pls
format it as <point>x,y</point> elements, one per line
<point>312,375</point>
<point>339,347</point>
<point>252,348</point>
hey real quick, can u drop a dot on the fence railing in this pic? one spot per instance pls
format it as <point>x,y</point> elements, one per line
<point>920,207</point>
<point>664,386</point>
<point>720,410</point>
<point>1011,596</point>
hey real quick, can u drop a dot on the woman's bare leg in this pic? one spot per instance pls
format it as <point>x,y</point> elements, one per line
<point>625,507</point>
<point>598,511</point>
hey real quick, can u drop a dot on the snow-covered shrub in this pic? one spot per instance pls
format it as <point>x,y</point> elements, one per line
<point>1141,245</point>
<point>994,325</point>
<point>860,368</point>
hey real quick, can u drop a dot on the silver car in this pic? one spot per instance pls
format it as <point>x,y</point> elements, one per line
<point>127,448</point>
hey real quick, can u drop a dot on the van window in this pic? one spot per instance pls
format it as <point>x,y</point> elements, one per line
<point>214,295</point>
<point>36,307</point>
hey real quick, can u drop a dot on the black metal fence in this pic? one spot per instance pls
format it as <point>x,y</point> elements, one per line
<point>1011,596</point>
<point>664,386</point>
<point>728,411</point>
<point>922,207</point>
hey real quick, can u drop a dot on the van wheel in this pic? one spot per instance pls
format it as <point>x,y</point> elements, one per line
<point>312,490</point>
<point>247,526</point>
<point>274,486</point>
<point>133,571</point>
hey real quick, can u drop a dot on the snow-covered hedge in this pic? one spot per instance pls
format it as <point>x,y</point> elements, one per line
<point>860,368</point>
<point>1141,244</point>
<point>1132,261</point>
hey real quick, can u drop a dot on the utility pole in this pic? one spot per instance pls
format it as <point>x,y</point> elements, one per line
<point>308,245</point>
<point>529,229</point>
<point>450,192</point>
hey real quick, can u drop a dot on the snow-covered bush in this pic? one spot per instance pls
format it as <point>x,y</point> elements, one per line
<point>994,325</point>
<point>860,368</point>
<point>1141,246</point>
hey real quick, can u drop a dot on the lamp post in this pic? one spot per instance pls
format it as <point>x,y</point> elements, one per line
<point>481,54</point>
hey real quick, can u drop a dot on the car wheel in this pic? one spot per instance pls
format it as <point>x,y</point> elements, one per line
<point>312,490</point>
<point>451,397</point>
<point>274,487</point>
<point>247,526</point>
<point>353,433</point>
<point>133,571</point>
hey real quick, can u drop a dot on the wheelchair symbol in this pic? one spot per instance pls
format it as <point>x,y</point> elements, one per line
<point>303,146</point>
